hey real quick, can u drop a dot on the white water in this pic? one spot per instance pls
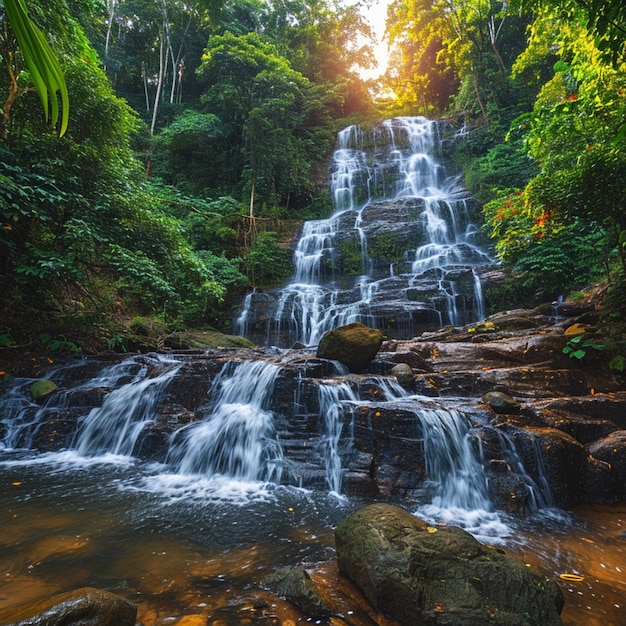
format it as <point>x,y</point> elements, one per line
<point>234,447</point>
<point>236,438</point>
<point>396,162</point>
<point>333,400</point>
<point>115,427</point>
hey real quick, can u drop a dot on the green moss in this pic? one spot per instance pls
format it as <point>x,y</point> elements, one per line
<point>351,260</point>
<point>42,388</point>
<point>386,248</point>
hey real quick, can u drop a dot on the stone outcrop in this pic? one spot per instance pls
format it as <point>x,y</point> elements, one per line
<point>611,452</point>
<point>426,575</point>
<point>82,607</point>
<point>355,345</point>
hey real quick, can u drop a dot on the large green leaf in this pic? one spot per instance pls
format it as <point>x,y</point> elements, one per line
<point>43,65</point>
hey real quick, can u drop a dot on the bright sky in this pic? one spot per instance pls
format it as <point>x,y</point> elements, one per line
<point>377,16</point>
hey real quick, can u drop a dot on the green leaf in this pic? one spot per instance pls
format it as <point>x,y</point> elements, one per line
<point>44,68</point>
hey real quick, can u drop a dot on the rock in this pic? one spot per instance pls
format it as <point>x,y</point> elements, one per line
<point>404,375</point>
<point>439,575</point>
<point>355,345</point>
<point>295,585</point>
<point>81,607</point>
<point>554,458</point>
<point>204,340</point>
<point>42,388</point>
<point>501,403</point>
<point>612,451</point>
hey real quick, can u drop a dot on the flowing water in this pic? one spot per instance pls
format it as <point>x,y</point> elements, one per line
<point>189,528</point>
<point>392,194</point>
<point>180,481</point>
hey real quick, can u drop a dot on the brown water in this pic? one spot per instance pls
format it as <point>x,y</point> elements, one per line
<point>188,559</point>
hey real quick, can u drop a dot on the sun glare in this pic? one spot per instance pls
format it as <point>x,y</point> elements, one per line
<point>376,15</point>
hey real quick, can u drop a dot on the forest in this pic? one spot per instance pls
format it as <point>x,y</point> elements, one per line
<point>180,145</point>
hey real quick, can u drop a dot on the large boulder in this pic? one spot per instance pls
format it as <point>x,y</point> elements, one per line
<point>611,451</point>
<point>419,574</point>
<point>354,345</point>
<point>81,607</point>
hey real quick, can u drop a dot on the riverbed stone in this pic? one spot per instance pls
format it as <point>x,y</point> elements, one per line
<point>403,374</point>
<point>439,575</point>
<point>295,585</point>
<point>41,389</point>
<point>354,345</point>
<point>82,607</point>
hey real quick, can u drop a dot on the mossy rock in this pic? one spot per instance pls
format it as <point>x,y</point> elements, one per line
<point>42,388</point>
<point>355,345</point>
<point>205,340</point>
<point>420,574</point>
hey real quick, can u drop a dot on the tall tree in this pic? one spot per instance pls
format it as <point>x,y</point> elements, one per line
<point>260,101</point>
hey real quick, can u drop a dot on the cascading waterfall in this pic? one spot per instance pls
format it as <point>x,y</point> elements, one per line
<point>333,400</point>
<point>452,465</point>
<point>115,427</point>
<point>390,190</point>
<point>237,437</point>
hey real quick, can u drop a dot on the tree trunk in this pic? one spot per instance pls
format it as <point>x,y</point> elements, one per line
<point>157,97</point>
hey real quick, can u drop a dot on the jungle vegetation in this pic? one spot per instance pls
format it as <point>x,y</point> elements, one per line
<point>194,137</point>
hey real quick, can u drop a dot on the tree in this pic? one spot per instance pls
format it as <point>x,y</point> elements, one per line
<point>261,103</point>
<point>462,46</point>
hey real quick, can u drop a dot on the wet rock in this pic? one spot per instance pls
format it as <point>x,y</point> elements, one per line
<point>501,402</point>
<point>355,345</point>
<point>295,585</point>
<point>553,457</point>
<point>41,389</point>
<point>404,375</point>
<point>597,483</point>
<point>439,575</point>
<point>204,340</point>
<point>612,451</point>
<point>83,607</point>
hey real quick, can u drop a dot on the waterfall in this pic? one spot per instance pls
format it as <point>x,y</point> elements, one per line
<point>455,470</point>
<point>452,465</point>
<point>391,192</point>
<point>237,437</point>
<point>538,489</point>
<point>115,427</point>
<point>333,400</point>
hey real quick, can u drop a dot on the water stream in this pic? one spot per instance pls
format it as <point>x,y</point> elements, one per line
<point>408,220</point>
<point>257,464</point>
<point>180,481</point>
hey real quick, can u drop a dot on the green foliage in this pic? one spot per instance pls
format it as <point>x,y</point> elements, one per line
<point>351,259</point>
<point>549,257</point>
<point>267,263</point>
<point>505,166</point>
<point>618,363</point>
<point>6,339</point>
<point>45,71</point>
<point>59,344</point>
<point>386,248</point>
<point>578,346</point>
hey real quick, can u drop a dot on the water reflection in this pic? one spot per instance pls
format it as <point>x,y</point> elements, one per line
<point>196,560</point>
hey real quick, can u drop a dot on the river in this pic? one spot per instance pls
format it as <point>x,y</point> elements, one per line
<point>183,547</point>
